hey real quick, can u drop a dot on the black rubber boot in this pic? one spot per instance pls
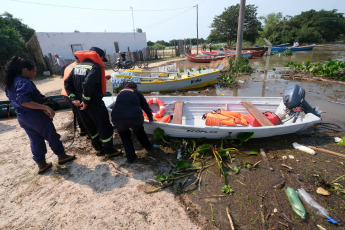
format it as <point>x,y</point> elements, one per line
<point>114,153</point>
<point>43,166</point>
<point>63,158</point>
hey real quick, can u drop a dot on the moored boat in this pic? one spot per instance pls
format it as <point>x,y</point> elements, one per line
<point>166,81</point>
<point>245,53</point>
<point>281,45</point>
<point>206,58</point>
<point>189,113</point>
<point>247,47</point>
<point>291,48</point>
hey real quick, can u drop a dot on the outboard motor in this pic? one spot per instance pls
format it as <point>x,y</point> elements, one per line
<point>293,99</point>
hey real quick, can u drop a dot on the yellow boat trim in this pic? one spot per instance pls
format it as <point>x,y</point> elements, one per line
<point>176,78</point>
<point>189,87</point>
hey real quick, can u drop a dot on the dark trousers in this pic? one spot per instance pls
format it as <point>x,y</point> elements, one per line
<point>76,114</point>
<point>96,121</point>
<point>63,70</point>
<point>123,127</point>
<point>40,127</point>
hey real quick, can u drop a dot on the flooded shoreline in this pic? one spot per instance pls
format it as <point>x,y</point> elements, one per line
<point>317,93</point>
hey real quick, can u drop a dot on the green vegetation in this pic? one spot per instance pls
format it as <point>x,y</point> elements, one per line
<point>333,69</point>
<point>13,37</point>
<point>338,188</point>
<point>226,79</point>
<point>308,27</point>
<point>240,65</point>
<point>197,159</point>
<point>342,142</point>
<point>288,53</point>
<point>224,26</point>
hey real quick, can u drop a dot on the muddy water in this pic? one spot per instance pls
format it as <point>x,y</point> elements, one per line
<point>317,93</point>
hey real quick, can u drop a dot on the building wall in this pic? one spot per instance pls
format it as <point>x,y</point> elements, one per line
<point>61,43</point>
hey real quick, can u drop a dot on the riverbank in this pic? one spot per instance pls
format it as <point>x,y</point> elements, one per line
<point>93,192</point>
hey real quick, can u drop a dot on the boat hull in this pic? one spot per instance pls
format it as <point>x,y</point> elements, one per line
<point>205,58</point>
<point>293,49</point>
<point>186,82</point>
<point>193,126</point>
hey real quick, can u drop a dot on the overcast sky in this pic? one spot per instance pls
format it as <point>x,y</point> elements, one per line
<point>160,19</point>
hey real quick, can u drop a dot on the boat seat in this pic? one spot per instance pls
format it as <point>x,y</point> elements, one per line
<point>260,117</point>
<point>178,108</point>
<point>184,76</point>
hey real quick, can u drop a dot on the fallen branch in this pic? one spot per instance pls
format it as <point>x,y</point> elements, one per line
<point>336,102</point>
<point>264,157</point>
<point>160,188</point>
<point>327,151</point>
<point>286,166</point>
<point>254,165</point>
<point>284,224</point>
<point>213,196</point>
<point>229,217</point>
<point>335,98</point>
<point>262,210</point>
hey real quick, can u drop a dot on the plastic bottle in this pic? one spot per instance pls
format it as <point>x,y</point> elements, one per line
<point>179,154</point>
<point>295,202</point>
<point>318,209</point>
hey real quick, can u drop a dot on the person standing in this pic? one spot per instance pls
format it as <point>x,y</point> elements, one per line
<point>68,70</point>
<point>210,46</point>
<point>85,86</point>
<point>62,63</point>
<point>34,118</point>
<point>127,114</point>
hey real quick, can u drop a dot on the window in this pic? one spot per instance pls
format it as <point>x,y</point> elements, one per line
<point>116,47</point>
<point>76,47</point>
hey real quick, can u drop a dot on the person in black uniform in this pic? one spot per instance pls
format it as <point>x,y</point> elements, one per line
<point>127,114</point>
<point>84,88</point>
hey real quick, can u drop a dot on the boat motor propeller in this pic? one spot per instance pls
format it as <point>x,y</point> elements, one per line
<point>294,100</point>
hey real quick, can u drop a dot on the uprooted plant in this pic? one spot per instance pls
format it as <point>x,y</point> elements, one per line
<point>198,157</point>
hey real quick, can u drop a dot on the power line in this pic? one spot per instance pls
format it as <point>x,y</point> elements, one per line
<point>170,18</point>
<point>86,8</point>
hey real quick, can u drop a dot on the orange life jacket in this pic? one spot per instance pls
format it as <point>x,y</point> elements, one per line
<point>68,70</point>
<point>239,118</point>
<point>224,117</point>
<point>92,55</point>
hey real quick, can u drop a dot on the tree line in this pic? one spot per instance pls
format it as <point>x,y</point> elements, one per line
<point>308,27</point>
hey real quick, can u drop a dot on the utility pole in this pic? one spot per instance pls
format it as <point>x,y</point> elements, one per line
<point>133,20</point>
<point>240,29</point>
<point>197,29</point>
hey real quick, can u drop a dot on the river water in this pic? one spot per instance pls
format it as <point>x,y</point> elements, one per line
<point>320,94</point>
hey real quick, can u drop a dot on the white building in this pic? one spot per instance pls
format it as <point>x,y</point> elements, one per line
<point>65,44</point>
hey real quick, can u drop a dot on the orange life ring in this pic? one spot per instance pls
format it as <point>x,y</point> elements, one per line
<point>161,105</point>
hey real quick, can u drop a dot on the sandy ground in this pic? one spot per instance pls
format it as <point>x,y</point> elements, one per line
<point>89,193</point>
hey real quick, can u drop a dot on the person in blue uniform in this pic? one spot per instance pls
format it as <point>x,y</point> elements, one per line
<point>35,118</point>
<point>127,114</point>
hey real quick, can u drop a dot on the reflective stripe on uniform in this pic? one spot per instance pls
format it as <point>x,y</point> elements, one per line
<point>86,98</point>
<point>83,66</point>
<point>71,95</point>
<point>107,140</point>
<point>93,137</point>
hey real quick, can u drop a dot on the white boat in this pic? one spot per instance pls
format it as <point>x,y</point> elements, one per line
<point>193,126</point>
<point>154,81</point>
